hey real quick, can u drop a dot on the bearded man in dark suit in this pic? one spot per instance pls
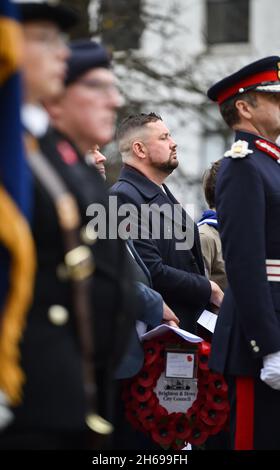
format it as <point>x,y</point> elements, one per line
<point>167,240</point>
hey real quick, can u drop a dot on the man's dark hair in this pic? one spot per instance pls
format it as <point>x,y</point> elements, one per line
<point>229,111</point>
<point>209,183</point>
<point>134,121</point>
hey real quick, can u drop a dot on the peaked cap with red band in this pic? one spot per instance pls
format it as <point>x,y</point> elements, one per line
<point>262,76</point>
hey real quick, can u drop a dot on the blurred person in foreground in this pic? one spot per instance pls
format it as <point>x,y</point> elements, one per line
<point>17,251</point>
<point>246,341</point>
<point>79,321</point>
<point>85,66</point>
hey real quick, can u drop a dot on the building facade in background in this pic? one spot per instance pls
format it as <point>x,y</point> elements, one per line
<point>167,53</point>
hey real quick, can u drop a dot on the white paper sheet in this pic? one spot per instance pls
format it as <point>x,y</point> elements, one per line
<point>208,320</point>
<point>161,329</point>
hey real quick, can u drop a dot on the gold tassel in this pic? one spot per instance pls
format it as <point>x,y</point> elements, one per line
<point>10,47</point>
<point>15,235</point>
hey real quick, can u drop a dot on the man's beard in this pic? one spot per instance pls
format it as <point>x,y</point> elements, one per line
<point>166,167</point>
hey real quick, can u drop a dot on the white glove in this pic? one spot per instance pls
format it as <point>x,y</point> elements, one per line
<point>270,373</point>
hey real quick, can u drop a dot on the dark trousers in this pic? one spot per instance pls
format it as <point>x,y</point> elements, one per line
<point>40,440</point>
<point>266,415</point>
<point>220,441</point>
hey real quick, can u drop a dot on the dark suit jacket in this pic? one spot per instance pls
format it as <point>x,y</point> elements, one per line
<point>149,310</point>
<point>178,275</point>
<point>248,207</point>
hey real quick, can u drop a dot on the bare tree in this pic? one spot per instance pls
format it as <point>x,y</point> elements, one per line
<point>82,8</point>
<point>168,80</point>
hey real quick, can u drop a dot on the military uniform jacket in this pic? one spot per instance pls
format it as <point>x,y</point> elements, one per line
<point>178,275</point>
<point>248,207</point>
<point>53,395</point>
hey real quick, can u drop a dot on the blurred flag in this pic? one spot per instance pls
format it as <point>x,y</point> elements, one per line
<point>12,163</point>
<point>17,254</point>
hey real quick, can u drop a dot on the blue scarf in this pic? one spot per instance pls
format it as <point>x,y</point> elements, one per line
<point>209,217</point>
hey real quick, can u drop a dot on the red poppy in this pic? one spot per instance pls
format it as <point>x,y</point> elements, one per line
<point>203,362</point>
<point>204,348</point>
<point>152,352</point>
<point>214,376</point>
<point>218,384</point>
<point>153,400</point>
<point>203,355</point>
<point>148,420</point>
<point>148,376</point>
<point>151,416</point>
<point>163,435</point>
<point>181,427</point>
<point>213,417</point>
<point>213,430</point>
<point>143,408</point>
<point>198,436</point>
<point>200,400</point>
<point>192,418</point>
<point>217,401</point>
<point>140,393</point>
<point>193,410</point>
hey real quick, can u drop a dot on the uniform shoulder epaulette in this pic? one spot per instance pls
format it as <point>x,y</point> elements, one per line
<point>239,149</point>
<point>270,149</point>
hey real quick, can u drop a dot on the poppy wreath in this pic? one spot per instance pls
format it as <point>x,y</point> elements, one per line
<point>208,414</point>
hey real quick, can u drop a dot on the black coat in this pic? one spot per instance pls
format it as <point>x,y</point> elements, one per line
<point>53,395</point>
<point>178,275</point>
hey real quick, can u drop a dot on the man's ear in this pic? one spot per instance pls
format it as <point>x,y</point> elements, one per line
<point>139,149</point>
<point>244,108</point>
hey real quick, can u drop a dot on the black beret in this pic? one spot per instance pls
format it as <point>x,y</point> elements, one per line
<point>64,16</point>
<point>262,76</point>
<point>85,55</point>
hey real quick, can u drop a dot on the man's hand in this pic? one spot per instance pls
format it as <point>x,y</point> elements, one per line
<point>270,373</point>
<point>217,294</point>
<point>169,316</point>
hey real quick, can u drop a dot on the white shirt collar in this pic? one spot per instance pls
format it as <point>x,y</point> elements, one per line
<point>163,189</point>
<point>35,119</point>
